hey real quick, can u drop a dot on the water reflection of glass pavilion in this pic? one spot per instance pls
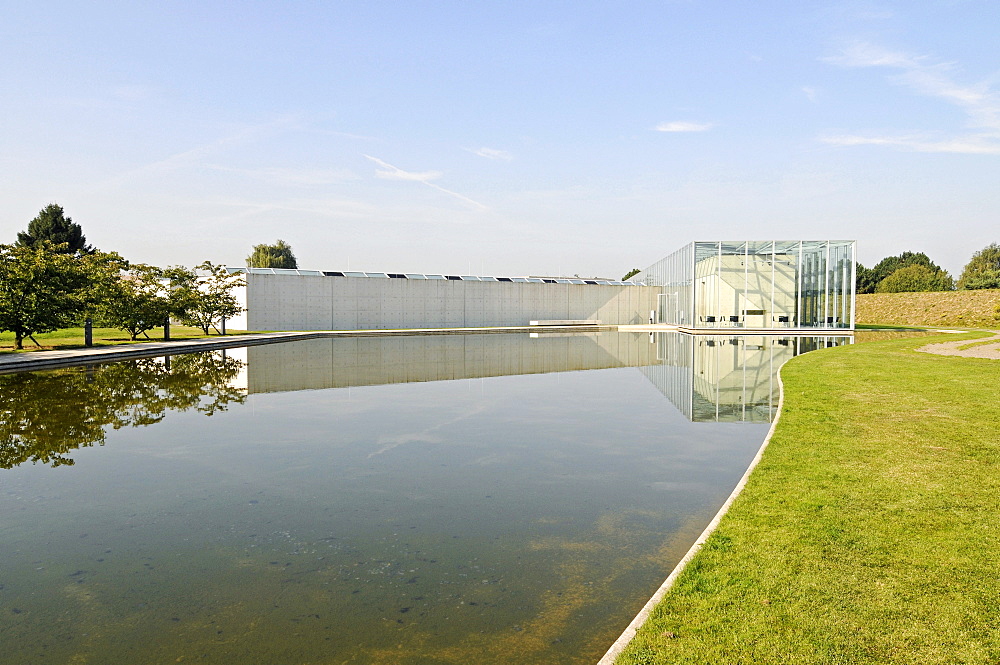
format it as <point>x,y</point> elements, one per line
<point>757,285</point>
<point>727,378</point>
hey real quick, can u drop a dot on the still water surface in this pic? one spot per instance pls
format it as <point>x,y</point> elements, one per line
<point>487,498</point>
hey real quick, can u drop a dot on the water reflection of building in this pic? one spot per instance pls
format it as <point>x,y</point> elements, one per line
<point>726,378</point>
<point>366,361</point>
<point>707,377</point>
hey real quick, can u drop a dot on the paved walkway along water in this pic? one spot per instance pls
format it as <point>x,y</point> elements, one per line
<point>37,360</point>
<point>991,350</point>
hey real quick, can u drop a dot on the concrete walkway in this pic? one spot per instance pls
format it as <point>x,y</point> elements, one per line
<point>990,350</point>
<point>38,360</point>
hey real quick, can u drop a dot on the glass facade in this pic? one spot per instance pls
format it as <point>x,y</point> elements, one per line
<point>758,285</point>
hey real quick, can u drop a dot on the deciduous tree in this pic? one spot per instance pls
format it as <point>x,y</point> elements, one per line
<point>868,279</point>
<point>983,269</point>
<point>42,288</point>
<point>136,301</point>
<point>914,278</point>
<point>204,296</point>
<point>278,255</point>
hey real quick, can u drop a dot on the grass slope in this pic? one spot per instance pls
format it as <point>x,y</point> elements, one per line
<point>970,309</point>
<point>867,534</point>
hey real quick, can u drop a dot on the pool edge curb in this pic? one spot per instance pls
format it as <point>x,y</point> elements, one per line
<point>619,645</point>
<point>56,359</point>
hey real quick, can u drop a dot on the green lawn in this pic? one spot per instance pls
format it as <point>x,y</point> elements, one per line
<point>72,338</point>
<point>869,531</point>
<point>885,326</point>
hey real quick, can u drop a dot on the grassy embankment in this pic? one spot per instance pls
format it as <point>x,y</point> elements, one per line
<point>72,338</point>
<point>867,534</point>
<point>963,309</point>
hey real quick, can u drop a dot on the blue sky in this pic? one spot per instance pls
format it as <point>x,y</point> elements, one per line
<point>502,138</point>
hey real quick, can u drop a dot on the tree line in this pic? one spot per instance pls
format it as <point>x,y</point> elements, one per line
<point>50,278</point>
<point>914,271</point>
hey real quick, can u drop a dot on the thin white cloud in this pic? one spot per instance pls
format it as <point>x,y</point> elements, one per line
<point>681,126</point>
<point>979,101</point>
<point>972,145</point>
<point>490,153</point>
<point>134,93</point>
<point>196,157</point>
<point>304,177</point>
<point>810,92</point>
<point>346,135</point>
<point>391,172</point>
<point>863,54</point>
<point>325,207</point>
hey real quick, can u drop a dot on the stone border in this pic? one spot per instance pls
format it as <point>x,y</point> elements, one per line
<point>629,633</point>
<point>41,360</point>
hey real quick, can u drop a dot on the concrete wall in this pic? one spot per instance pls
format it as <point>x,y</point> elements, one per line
<point>297,302</point>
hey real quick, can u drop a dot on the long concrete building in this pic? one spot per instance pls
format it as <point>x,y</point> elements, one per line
<point>765,285</point>
<point>314,300</point>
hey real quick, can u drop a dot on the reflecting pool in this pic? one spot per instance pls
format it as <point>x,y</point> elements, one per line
<point>426,499</point>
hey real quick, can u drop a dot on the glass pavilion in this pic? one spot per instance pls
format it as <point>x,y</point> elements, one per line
<point>758,285</point>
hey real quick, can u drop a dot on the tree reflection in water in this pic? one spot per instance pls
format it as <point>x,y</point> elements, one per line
<point>45,415</point>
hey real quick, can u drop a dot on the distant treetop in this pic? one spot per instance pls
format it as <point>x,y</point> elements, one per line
<point>983,269</point>
<point>278,255</point>
<point>868,279</point>
<point>916,277</point>
<point>51,224</point>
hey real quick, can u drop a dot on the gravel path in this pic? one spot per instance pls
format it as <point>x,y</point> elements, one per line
<point>991,350</point>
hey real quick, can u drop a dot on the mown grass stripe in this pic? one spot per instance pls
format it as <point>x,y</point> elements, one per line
<point>867,533</point>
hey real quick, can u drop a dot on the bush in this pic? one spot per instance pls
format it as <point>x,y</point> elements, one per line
<point>916,278</point>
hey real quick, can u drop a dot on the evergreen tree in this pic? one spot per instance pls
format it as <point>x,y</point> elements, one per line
<point>52,225</point>
<point>865,281</point>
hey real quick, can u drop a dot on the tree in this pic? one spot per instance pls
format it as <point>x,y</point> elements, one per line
<point>916,278</point>
<point>42,288</point>
<point>631,273</point>
<point>983,269</point>
<point>868,279</point>
<point>202,300</point>
<point>53,226</point>
<point>278,255</point>
<point>136,301</point>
